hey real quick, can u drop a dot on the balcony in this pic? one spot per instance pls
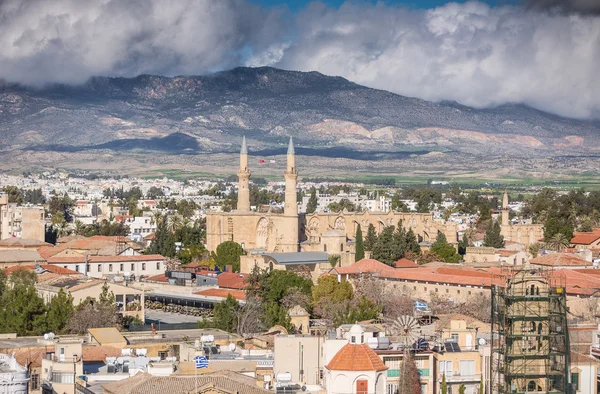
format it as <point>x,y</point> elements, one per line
<point>395,373</point>
<point>457,377</point>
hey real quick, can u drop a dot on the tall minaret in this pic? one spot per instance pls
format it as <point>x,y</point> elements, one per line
<point>505,209</point>
<point>291,175</point>
<point>290,209</point>
<point>243,203</point>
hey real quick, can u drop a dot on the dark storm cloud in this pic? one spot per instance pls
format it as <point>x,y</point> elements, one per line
<point>468,52</point>
<point>570,6</point>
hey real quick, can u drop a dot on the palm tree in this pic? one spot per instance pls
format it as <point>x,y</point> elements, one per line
<point>156,218</point>
<point>174,223</point>
<point>79,227</point>
<point>558,242</point>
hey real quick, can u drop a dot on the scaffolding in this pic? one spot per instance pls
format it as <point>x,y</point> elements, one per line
<point>530,340</point>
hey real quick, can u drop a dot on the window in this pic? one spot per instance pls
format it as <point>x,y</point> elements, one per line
<point>341,247</point>
<point>158,266</point>
<point>77,268</point>
<point>324,248</point>
<point>99,267</point>
<point>132,266</point>
<point>63,377</point>
<point>34,383</point>
<point>455,338</point>
<point>163,355</point>
<point>110,268</point>
<point>457,291</point>
<point>575,380</point>
<point>143,266</point>
<point>362,387</point>
<point>88,267</point>
<point>467,367</point>
<point>446,367</point>
<point>121,267</point>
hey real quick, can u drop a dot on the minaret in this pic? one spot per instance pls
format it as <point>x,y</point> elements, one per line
<point>243,203</point>
<point>291,175</point>
<point>290,209</point>
<point>505,209</point>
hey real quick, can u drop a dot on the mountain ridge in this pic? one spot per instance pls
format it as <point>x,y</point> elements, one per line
<point>267,105</point>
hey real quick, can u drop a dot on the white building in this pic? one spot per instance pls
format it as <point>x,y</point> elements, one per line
<point>13,376</point>
<point>356,368</point>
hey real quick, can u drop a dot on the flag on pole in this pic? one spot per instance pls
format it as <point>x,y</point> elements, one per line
<point>201,362</point>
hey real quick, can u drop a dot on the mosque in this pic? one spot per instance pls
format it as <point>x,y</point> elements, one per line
<point>292,232</point>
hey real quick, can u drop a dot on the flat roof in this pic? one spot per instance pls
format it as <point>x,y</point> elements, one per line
<point>297,258</point>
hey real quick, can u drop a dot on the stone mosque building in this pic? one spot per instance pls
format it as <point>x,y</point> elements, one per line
<point>263,233</point>
<point>524,234</point>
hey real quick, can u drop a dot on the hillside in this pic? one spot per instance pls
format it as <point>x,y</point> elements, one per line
<point>190,115</point>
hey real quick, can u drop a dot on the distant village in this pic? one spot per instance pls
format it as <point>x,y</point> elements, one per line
<point>126,285</point>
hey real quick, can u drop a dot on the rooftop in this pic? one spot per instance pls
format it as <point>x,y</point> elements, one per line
<point>356,358</point>
<point>299,258</point>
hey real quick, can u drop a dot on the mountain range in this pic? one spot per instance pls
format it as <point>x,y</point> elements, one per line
<point>328,116</point>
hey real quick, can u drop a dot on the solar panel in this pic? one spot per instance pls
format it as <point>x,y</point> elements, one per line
<point>452,347</point>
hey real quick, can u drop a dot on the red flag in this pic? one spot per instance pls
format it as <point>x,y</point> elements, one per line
<point>261,161</point>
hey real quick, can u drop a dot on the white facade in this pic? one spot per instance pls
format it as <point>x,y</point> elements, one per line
<point>123,267</point>
<point>13,376</point>
<point>140,227</point>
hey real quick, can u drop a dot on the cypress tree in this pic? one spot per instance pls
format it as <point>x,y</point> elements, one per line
<point>412,244</point>
<point>359,247</point>
<point>399,244</point>
<point>312,201</point>
<point>493,237</point>
<point>371,238</point>
<point>384,249</point>
<point>463,244</point>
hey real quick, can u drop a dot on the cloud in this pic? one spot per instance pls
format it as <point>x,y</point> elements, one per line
<point>71,40</point>
<point>469,52</point>
<point>571,6</point>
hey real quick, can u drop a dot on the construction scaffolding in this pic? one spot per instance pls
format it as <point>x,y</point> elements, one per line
<point>530,339</point>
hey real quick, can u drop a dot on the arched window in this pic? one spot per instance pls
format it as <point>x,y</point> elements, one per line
<point>325,248</point>
<point>341,247</point>
<point>531,386</point>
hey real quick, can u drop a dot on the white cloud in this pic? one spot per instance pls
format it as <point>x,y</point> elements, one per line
<point>471,53</point>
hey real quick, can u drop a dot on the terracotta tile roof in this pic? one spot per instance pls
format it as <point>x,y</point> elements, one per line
<point>150,236</point>
<point>226,381</point>
<point>33,355</point>
<point>356,358</point>
<point>222,293</point>
<point>150,202</point>
<point>465,276</point>
<point>406,263</point>
<point>9,271</point>
<point>586,238</point>
<point>158,278</point>
<point>364,266</point>
<point>99,353</point>
<point>561,260</point>
<point>104,259</point>
<point>232,280</point>
<point>55,269</point>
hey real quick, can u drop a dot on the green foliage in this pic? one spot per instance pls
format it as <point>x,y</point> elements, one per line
<point>371,238</point>
<point>275,314</point>
<point>444,385</point>
<point>384,249</point>
<point>425,197</point>
<point>103,228</point>
<point>493,237</point>
<point>226,314</point>
<point>22,310</point>
<point>274,286</point>
<point>444,250</point>
<point>329,290</point>
<point>34,196</point>
<point>312,201</point>
<point>412,243</point>
<point>14,194</point>
<point>397,204</point>
<point>364,309</point>
<point>463,244</point>
<point>228,253</point>
<point>154,192</point>
<point>481,386</point>
<point>554,226</point>
<point>358,245</point>
<point>334,260</point>
<point>343,204</point>
<point>63,205</point>
<point>60,310</point>
<point>461,388</point>
<point>164,241</point>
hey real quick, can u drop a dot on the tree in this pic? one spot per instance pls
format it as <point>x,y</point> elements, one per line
<point>461,388</point>
<point>358,245</point>
<point>60,310</point>
<point>22,310</point>
<point>371,238</point>
<point>334,260</point>
<point>463,244</point>
<point>412,244</point>
<point>14,194</point>
<point>164,241</point>
<point>558,242</point>
<point>481,386</point>
<point>397,204</point>
<point>399,242</point>
<point>360,309</point>
<point>384,249</point>
<point>228,253</point>
<point>554,226</point>
<point>444,385</point>
<point>444,250</point>
<point>312,201</point>
<point>343,204</point>
<point>94,313</point>
<point>534,249</point>
<point>409,376</point>
<point>225,314</point>
<point>493,237</point>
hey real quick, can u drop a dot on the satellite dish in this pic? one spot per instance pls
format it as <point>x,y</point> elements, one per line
<point>232,347</point>
<point>482,341</point>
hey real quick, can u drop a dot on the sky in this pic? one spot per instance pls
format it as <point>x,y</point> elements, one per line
<point>541,53</point>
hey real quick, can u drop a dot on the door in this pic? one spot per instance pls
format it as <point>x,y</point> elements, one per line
<point>362,387</point>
